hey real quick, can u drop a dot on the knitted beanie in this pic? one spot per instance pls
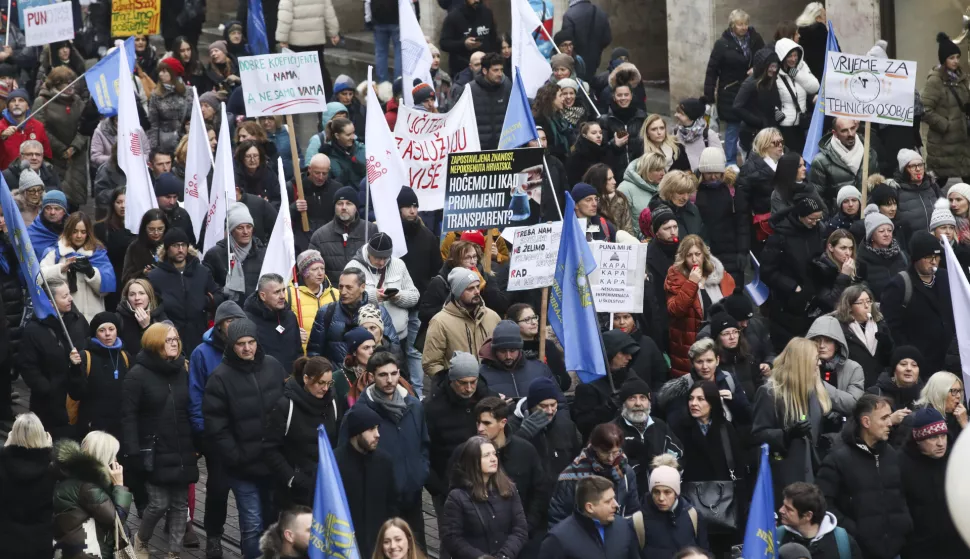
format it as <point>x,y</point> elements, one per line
<point>240,328</point>
<point>721,322</point>
<point>941,214</point>
<point>961,188</point>
<point>173,236</point>
<point>712,161</point>
<point>807,206</point>
<point>360,419</point>
<point>29,178</point>
<point>380,246</point>
<point>907,156</point>
<point>923,244</point>
<point>904,352</point>
<point>347,193</point>
<point>226,310</point>
<point>874,220</point>
<point>507,336</point>
<point>879,49</point>
<point>883,194</point>
<point>239,215</point>
<point>582,190</point>
<point>928,422</point>
<point>406,197</point>
<point>738,305</point>
<point>421,93</point>
<point>665,476</point>
<point>568,82</point>
<point>693,109</point>
<point>463,365</point>
<point>645,221</point>
<point>562,61</point>
<point>473,237</point>
<point>947,47</point>
<point>102,318</point>
<point>343,83</point>
<point>661,215</point>
<point>353,338</point>
<point>846,192</point>
<point>459,279</point>
<point>54,198</point>
<point>306,259</point>
<point>219,45</point>
<point>167,184</point>
<point>793,550</point>
<point>541,389</point>
<point>369,313</point>
<point>633,386</point>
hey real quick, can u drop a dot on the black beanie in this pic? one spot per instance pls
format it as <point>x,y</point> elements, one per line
<point>380,246</point>
<point>807,206</point>
<point>923,244</point>
<point>947,47</point>
<point>738,305</point>
<point>174,235</point>
<point>661,215</point>
<point>360,419</point>
<point>407,198</point>
<point>881,195</point>
<point>721,322</point>
<point>102,318</point>
<point>692,108</point>
<point>347,193</point>
<point>633,386</point>
<point>904,352</point>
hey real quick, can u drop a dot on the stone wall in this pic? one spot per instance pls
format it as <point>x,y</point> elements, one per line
<point>856,23</point>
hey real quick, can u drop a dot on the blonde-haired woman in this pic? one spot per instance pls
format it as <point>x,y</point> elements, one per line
<point>641,182</point>
<point>755,183</point>
<point>943,392</point>
<point>676,189</point>
<point>657,140</point>
<point>26,486</point>
<point>90,486</point>
<point>139,308</point>
<point>695,282</point>
<point>789,414</point>
<point>813,36</point>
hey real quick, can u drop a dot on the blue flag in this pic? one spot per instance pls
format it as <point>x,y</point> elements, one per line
<point>102,79</point>
<point>757,290</point>
<point>29,264</point>
<point>759,534</point>
<point>518,128</point>
<point>815,130</point>
<point>256,29</point>
<point>571,301</point>
<point>332,530</point>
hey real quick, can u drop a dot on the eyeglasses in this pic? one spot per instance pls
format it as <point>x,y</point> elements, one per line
<point>863,303</point>
<point>252,157</point>
<point>172,340</point>
<point>36,190</point>
<point>532,319</point>
<point>778,144</point>
<point>956,392</point>
<point>325,383</point>
<point>155,230</point>
<point>916,166</point>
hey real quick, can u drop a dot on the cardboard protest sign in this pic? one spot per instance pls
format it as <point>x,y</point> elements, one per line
<point>24,4</point>
<point>48,24</point>
<point>135,17</point>
<point>424,141</point>
<point>870,89</point>
<point>490,188</point>
<point>618,279</point>
<point>282,84</point>
<point>534,253</point>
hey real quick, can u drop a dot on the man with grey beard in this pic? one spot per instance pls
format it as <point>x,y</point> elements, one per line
<point>644,437</point>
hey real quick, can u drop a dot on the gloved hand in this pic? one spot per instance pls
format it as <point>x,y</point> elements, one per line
<point>84,267</point>
<point>833,422</point>
<point>798,430</point>
<point>532,425</point>
<point>302,484</point>
<point>779,115</point>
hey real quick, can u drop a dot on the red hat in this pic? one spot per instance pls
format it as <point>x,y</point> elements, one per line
<point>474,237</point>
<point>645,221</point>
<point>174,65</point>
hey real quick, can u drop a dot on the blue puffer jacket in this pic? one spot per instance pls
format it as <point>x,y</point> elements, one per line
<point>406,440</point>
<point>204,360</point>
<point>327,334</point>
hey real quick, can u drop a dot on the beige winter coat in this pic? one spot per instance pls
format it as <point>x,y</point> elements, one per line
<point>303,23</point>
<point>454,329</point>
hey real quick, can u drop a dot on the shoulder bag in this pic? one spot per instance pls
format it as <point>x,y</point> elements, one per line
<point>715,500</point>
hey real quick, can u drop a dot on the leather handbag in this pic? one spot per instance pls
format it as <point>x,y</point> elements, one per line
<point>715,500</point>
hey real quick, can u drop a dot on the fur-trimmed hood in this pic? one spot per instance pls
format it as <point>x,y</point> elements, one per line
<point>624,74</point>
<point>71,462</point>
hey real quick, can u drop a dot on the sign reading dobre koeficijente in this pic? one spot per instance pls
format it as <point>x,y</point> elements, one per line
<point>489,189</point>
<point>870,89</point>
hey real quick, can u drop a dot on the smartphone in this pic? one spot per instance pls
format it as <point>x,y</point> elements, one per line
<point>391,291</point>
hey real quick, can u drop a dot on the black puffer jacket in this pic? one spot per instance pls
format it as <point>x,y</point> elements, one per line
<point>44,361</point>
<point>155,408</point>
<point>471,529</point>
<point>557,443</point>
<point>239,397</point>
<point>872,365</point>
<point>131,332</point>
<point>927,322</point>
<point>97,386</point>
<point>629,120</point>
<point>754,185</point>
<point>899,397</point>
<point>924,486</point>
<point>371,491</point>
<point>863,487</point>
<point>830,282</point>
<point>727,69</point>
<point>290,445</point>
<point>451,421</point>
<point>585,154</point>
<point>187,295</point>
<point>915,205</point>
<point>12,295</point>
<point>785,265</point>
<point>26,507</point>
<point>490,101</point>
<point>641,448</point>
<point>728,225</point>
<point>217,260</point>
<point>423,259</point>
<point>754,106</point>
<point>879,269</point>
<point>284,345</point>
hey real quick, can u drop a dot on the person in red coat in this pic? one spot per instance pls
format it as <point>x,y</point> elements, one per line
<point>694,282</point>
<point>18,110</point>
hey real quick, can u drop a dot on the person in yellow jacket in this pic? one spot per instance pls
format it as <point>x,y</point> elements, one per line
<point>315,289</point>
<point>500,249</point>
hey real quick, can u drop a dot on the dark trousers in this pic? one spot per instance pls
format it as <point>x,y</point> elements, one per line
<point>412,514</point>
<point>216,497</point>
<point>6,379</point>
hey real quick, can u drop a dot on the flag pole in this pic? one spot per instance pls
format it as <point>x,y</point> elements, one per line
<point>297,179</point>
<point>599,333</point>
<point>299,306</point>
<point>44,106</point>
<point>57,312</point>
<point>865,164</point>
<point>555,197</point>
<point>6,39</point>
<point>366,208</point>
<point>543,321</point>
<point>581,88</point>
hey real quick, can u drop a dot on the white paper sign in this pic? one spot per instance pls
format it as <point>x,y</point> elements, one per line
<point>48,24</point>
<point>617,280</point>
<point>870,89</point>
<point>534,253</point>
<point>282,84</point>
<point>424,141</point>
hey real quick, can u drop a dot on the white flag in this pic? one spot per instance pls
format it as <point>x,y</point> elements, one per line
<point>198,162</point>
<point>280,256</point>
<point>416,57</point>
<point>960,299</point>
<point>132,150</point>
<point>223,188</point>
<point>534,67</point>
<point>385,171</point>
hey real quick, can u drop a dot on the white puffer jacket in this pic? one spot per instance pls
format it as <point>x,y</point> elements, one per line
<point>304,23</point>
<point>396,276</point>
<point>805,85</point>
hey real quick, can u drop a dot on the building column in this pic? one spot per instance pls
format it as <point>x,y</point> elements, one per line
<point>856,23</point>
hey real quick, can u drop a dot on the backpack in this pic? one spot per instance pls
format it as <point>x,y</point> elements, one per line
<point>641,531</point>
<point>72,405</point>
<point>907,287</point>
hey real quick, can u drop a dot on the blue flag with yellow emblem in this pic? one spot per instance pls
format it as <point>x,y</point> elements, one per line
<point>518,128</point>
<point>759,534</point>
<point>332,530</point>
<point>29,265</point>
<point>571,301</point>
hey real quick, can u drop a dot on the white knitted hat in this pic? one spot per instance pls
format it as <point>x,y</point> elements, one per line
<point>712,161</point>
<point>941,214</point>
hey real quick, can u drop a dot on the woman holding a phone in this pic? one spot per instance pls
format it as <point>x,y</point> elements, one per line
<point>81,260</point>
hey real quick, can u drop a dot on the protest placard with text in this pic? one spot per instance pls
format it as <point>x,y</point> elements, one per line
<point>48,24</point>
<point>870,89</point>
<point>618,279</point>
<point>282,84</point>
<point>135,17</point>
<point>534,253</point>
<point>488,189</point>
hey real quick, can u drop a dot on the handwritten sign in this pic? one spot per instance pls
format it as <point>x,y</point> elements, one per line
<point>424,141</point>
<point>618,278</point>
<point>282,84</point>
<point>488,189</point>
<point>534,253</point>
<point>870,89</point>
<point>135,17</point>
<point>48,24</point>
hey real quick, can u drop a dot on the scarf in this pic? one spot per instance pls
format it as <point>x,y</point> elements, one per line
<point>690,134</point>
<point>889,252</point>
<point>830,368</point>
<point>771,163</point>
<point>744,43</point>
<point>395,406</point>
<point>623,114</point>
<point>236,280</point>
<point>574,115</point>
<point>852,158</point>
<point>586,465</point>
<point>868,336</point>
<point>668,155</point>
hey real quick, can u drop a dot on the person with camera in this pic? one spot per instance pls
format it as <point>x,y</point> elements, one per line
<point>81,260</point>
